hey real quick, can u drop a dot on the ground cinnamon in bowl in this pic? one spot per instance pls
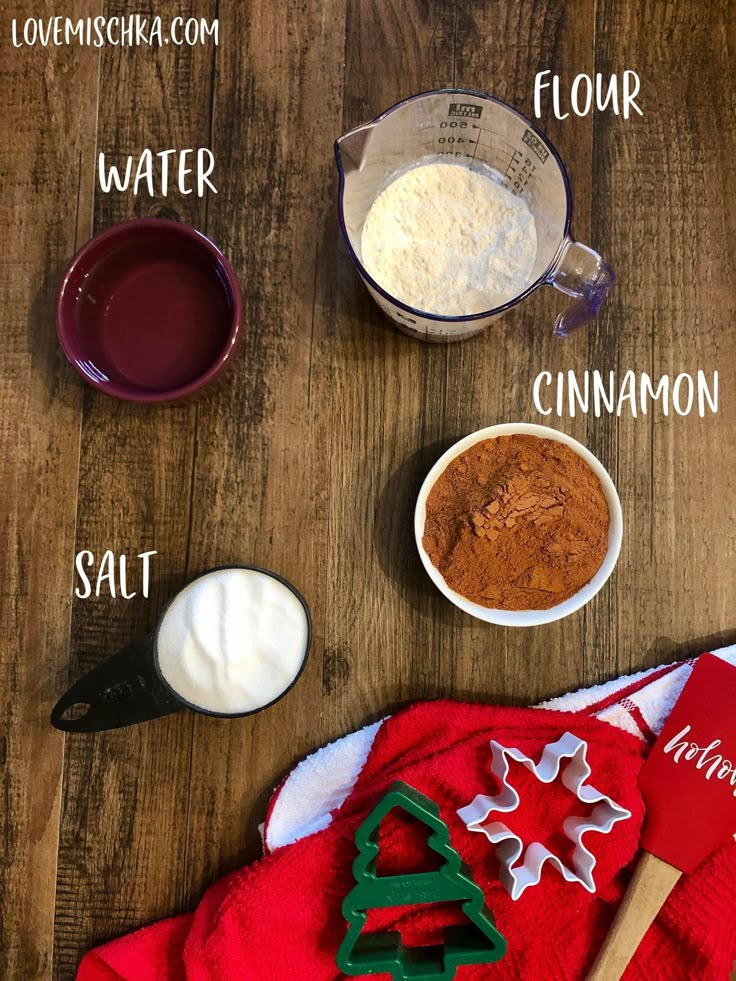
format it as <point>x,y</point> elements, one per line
<point>517,523</point>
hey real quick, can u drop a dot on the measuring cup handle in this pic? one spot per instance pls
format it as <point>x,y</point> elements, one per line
<point>122,691</point>
<point>585,276</point>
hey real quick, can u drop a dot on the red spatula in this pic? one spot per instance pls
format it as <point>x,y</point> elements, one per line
<point>689,787</point>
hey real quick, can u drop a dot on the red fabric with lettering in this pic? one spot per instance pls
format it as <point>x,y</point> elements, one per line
<point>280,918</point>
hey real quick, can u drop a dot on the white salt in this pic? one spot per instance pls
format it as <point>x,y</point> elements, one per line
<point>233,640</point>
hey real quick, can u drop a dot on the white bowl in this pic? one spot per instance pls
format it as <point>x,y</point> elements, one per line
<point>523,618</point>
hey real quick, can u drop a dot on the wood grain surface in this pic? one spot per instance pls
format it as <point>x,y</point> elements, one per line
<point>307,460</point>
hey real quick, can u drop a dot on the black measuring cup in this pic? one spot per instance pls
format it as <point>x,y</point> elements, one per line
<point>129,687</point>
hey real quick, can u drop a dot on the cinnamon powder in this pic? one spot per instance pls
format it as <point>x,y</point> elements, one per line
<point>517,523</point>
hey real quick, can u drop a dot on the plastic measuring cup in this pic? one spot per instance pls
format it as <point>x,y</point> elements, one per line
<point>475,129</point>
<point>130,686</point>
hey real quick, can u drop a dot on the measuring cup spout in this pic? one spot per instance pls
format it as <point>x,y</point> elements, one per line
<point>586,277</point>
<point>120,692</point>
<point>350,147</point>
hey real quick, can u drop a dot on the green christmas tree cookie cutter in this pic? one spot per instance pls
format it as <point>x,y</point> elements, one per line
<point>478,942</point>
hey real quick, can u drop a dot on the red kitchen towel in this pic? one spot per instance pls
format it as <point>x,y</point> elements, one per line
<point>280,919</point>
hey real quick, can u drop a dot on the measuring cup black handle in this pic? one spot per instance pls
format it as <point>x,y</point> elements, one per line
<point>122,691</point>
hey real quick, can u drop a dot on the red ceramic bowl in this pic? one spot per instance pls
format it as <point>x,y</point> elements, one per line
<point>149,311</point>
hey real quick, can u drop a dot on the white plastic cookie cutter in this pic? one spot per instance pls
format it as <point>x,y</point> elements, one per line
<point>517,878</point>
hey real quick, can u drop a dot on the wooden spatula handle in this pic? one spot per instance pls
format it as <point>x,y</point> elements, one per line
<point>652,882</point>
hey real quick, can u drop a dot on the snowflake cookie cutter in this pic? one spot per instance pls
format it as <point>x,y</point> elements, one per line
<point>509,847</point>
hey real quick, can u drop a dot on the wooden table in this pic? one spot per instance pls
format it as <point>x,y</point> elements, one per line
<point>309,459</point>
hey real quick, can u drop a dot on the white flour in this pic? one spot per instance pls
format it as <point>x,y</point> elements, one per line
<point>233,640</point>
<point>449,240</point>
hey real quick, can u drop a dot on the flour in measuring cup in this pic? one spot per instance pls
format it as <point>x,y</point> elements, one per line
<point>449,240</point>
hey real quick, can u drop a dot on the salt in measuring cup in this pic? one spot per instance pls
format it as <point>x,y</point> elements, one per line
<point>144,681</point>
<point>469,127</point>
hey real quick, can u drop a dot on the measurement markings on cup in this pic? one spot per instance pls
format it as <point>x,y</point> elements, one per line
<point>519,172</point>
<point>466,109</point>
<point>456,135</point>
<point>511,169</point>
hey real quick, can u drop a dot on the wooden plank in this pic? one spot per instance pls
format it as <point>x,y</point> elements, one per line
<point>263,470</point>
<point>45,208</point>
<point>121,848</point>
<point>382,644</point>
<point>664,213</point>
<point>500,48</point>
